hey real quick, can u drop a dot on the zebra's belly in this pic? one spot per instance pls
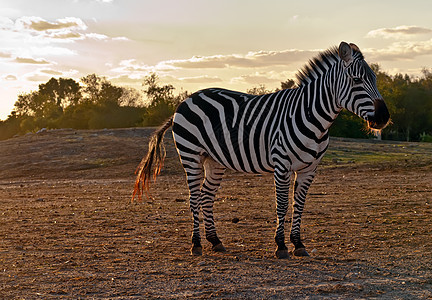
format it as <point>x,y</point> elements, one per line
<point>300,166</point>
<point>296,158</point>
<point>249,156</point>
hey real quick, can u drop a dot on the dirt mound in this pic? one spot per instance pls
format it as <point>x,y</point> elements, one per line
<point>68,229</point>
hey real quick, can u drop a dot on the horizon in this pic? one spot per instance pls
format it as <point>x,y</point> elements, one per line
<point>196,44</point>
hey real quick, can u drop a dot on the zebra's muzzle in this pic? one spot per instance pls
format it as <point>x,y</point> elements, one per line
<point>380,117</point>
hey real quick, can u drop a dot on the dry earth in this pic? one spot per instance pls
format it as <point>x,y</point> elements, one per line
<point>69,230</point>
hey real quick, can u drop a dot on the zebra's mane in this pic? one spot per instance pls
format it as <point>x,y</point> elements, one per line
<point>318,65</point>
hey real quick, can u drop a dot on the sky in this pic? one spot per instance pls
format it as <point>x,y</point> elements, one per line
<point>194,44</point>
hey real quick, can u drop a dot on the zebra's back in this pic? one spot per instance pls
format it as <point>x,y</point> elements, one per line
<point>237,130</point>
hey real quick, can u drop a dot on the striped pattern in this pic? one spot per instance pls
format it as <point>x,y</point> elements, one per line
<point>285,133</point>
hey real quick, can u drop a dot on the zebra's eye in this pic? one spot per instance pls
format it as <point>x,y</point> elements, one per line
<point>357,80</point>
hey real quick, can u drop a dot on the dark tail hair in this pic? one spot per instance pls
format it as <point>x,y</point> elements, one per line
<point>155,156</point>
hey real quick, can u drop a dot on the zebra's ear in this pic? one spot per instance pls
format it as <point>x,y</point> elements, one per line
<point>345,53</point>
<point>354,47</point>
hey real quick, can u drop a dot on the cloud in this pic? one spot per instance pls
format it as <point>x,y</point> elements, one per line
<point>398,32</point>
<point>39,24</point>
<point>120,38</point>
<point>33,40</point>
<point>67,35</point>
<point>51,72</point>
<point>400,51</point>
<point>135,69</point>
<point>43,74</point>
<point>5,55</point>
<point>132,65</point>
<point>26,60</point>
<point>65,28</point>
<point>270,78</point>
<point>37,77</point>
<point>251,79</point>
<point>10,77</point>
<point>131,70</point>
<point>97,36</point>
<point>249,60</point>
<point>201,79</point>
<point>5,22</point>
<point>127,79</point>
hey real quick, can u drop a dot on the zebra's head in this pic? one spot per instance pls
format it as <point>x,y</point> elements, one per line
<point>361,95</point>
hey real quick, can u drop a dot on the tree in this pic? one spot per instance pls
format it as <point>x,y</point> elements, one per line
<point>25,105</point>
<point>161,99</point>
<point>98,90</point>
<point>36,104</point>
<point>50,100</point>
<point>63,91</point>
<point>131,97</point>
<point>155,93</point>
<point>409,101</point>
<point>258,90</point>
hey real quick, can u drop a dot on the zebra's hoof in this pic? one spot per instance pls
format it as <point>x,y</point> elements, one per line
<point>219,248</point>
<point>196,251</point>
<point>300,252</point>
<point>282,254</point>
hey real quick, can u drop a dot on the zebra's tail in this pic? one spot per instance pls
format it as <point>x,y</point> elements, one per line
<point>152,163</point>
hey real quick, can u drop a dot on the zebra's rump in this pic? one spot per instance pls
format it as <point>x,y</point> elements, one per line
<point>231,127</point>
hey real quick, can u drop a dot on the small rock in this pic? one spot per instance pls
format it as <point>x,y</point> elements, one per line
<point>235,220</point>
<point>42,130</point>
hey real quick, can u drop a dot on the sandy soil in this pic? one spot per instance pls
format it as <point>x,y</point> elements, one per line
<point>69,230</point>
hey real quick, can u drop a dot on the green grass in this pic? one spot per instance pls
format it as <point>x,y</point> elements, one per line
<point>355,151</point>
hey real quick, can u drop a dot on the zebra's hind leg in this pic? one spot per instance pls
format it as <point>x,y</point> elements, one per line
<point>213,176</point>
<point>301,187</point>
<point>194,175</point>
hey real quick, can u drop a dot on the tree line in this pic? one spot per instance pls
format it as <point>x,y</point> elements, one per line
<point>95,103</point>
<point>92,103</point>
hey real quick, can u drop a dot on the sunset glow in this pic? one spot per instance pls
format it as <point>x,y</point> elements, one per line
<point>196,44</point>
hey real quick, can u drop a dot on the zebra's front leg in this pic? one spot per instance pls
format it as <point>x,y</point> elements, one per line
<point>213,177</point>
<point>301,187</point>
<point>282,181</point>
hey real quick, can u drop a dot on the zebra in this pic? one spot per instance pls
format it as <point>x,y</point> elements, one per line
<point>284,133</point>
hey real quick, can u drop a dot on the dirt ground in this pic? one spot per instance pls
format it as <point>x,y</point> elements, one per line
<point>69,230</point>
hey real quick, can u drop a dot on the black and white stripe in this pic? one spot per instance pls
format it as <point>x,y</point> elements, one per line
<point>285,133</point>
